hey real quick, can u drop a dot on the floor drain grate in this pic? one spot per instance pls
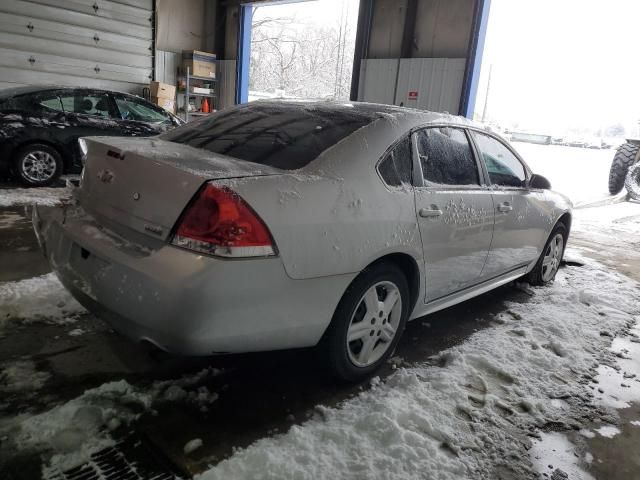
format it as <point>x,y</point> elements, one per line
<point>131,459</point>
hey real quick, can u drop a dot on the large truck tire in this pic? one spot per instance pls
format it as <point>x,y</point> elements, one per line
<point>632,182</point>
<point>626,155</point>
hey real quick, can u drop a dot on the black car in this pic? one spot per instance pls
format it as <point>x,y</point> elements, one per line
<point>40,127</point>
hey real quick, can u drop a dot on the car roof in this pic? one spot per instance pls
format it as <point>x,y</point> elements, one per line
<point>375,110</point>
<point>16,91</point>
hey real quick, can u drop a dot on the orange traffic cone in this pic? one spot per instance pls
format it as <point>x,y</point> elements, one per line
<point>205,105</point>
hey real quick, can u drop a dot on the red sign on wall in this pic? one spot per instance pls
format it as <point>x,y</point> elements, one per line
<point>413,95</point>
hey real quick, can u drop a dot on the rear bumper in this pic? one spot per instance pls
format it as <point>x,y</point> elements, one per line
<point>183,302</point>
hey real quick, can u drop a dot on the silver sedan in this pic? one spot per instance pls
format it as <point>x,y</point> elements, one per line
<point>284,225</point>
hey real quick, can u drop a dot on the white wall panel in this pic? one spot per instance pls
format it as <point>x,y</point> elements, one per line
<point>378,80</point>
<point>437,82</point>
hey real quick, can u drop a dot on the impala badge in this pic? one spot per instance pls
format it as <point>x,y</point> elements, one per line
<point>153,229</point>
<point>105,176</point>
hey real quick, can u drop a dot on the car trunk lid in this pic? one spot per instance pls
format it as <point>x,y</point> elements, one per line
<point>146,183</point>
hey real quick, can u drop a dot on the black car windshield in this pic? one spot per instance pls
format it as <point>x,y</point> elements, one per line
<point>282,135</point>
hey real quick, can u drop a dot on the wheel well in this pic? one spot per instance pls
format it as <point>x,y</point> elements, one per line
<point>408,266</point>
<point>566,219</point>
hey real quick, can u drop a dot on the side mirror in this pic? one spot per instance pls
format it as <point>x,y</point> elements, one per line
<point>539,182</point>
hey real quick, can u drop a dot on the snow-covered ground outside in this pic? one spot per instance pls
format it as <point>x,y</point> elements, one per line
<point>580,173</point>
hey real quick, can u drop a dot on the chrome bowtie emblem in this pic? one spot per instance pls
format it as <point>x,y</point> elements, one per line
<point>136,196</point>
<point>106,176</point>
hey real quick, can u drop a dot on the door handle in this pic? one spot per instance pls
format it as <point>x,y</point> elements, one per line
<point>430,212</point>
<point>505,207</point>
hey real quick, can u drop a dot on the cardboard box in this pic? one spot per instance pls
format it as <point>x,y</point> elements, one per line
<point>162,90</point>
<point>169,104</point>
<point>201,64</point>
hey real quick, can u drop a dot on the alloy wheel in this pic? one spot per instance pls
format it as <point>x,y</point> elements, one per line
<point>38,166</point>
<point>552,257</point>
<point>374,324</point>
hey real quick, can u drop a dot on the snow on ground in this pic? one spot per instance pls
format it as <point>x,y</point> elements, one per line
<point>74,430</point>
<point>67,434</point>
<point>473,410</point>
<point>580,173</point>
<point>48,196</point>
<point>21,375</point>
<point>37,299</point>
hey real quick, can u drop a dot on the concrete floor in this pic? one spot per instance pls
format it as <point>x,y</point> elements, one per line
<point>263,393</point>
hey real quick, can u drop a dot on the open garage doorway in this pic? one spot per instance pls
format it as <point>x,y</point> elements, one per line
<point>559,79</point>
<point>302,50</point>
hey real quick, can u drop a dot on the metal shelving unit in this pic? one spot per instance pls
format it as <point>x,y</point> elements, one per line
<point>188,94</point>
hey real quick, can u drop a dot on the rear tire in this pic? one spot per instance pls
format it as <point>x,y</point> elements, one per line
<point>374,327</point>
<point>37,165</point>
<point>549,262</point>
<point>625,157</point>
<point>632,182</point>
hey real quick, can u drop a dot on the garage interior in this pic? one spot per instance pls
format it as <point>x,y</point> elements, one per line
<point>422,54</point>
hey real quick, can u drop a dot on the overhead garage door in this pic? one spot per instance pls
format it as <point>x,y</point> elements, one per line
<point>93,43</point>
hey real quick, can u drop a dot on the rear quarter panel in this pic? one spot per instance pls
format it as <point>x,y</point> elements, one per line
<point>337,216</point>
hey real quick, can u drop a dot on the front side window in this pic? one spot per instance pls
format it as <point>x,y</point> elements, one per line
<point>90,104</point>
<point>446,157</point>
<point>503,166</point>
<point>395,169</point>
<point>131,108</point>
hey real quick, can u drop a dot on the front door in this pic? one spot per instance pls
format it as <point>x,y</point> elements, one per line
<point>523,216</point>
<point>454,211</point>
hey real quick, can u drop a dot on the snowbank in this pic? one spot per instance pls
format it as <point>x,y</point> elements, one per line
<point>37,299</point>
<point>473,410</point>
<point>74,430</point>
<point>48,196</point>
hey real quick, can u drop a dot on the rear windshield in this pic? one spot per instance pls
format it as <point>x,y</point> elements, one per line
<point>281,135</point>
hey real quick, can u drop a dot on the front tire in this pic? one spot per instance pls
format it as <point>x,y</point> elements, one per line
<point>549,262</point>
<point>37,165</point>
<point>625,157</point>
<point>368,322</point>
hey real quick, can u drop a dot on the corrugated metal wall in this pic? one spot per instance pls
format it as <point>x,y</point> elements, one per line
<point>433,84</point>
<point>91,43</point>
<point>437,82</point>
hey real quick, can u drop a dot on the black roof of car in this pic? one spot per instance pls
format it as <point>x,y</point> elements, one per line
<point>15,91</point>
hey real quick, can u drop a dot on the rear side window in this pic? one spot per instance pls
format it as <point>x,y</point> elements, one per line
<point>287,135</point>
<point>395,168</point>
<point>446,157</point>
<point>32,102</point>
<point>89,104</point>
<point>503,167</point>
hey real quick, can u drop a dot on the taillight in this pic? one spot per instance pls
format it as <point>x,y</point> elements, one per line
<point>218,222</point>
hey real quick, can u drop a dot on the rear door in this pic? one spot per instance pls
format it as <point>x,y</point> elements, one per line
<point>523,217</point>
<point>88,113</point>
<point>454,210</point>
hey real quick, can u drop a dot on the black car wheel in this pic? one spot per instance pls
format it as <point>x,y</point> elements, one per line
<point>37,165</point>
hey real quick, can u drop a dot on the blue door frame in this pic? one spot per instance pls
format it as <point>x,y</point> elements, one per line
<point>244,54</point>
<point>476,51</point>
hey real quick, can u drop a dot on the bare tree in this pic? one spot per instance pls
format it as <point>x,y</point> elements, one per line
<point>301,58</point>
